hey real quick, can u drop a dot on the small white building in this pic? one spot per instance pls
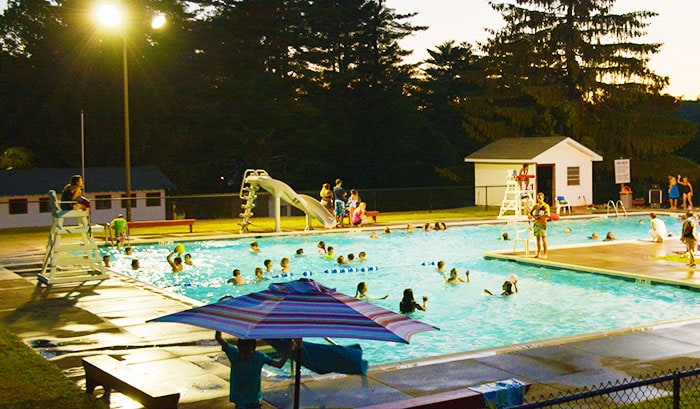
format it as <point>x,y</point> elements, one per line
<point>24,200</point>
<point>561,166</point>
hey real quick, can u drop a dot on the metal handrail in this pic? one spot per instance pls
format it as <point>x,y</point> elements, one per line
<point>609,205</point>
<point>621,206</point>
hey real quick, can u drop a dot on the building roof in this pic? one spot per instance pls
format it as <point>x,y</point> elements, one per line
<point>521,150</point>
<point>39,181</point>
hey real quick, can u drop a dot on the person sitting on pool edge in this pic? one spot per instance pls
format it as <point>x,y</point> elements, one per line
<point>409,305</point>
<point>176,263</point>
<point>508,286</point>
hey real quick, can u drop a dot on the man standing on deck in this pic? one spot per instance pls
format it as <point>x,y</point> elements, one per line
<point>340,196</point>
<point>540,214</point>
<point>119,227</point>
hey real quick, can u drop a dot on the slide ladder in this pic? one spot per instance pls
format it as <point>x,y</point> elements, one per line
<point>248,193</point>
<point>71,252</point>
<point>516,201</point>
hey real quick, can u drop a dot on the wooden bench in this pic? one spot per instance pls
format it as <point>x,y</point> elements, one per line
<point>105,371</point>
<point>373,214</point>
<point>161,223</point>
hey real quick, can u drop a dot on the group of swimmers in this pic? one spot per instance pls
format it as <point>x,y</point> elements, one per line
<point>285,268</point>
<point>135,265</point>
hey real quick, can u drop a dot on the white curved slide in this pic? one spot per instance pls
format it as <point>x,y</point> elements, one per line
<point>305,203</point>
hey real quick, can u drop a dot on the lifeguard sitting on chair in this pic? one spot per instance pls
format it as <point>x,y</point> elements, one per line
<point>523,177</point>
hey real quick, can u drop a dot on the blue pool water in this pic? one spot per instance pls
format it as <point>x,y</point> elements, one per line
<point>551,302</point>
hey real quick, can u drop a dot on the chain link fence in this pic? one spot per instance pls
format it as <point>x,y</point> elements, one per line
<point>676,389</point>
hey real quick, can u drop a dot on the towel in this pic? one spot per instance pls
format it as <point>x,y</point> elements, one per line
<point>325,358</point>
<point>501,394</point>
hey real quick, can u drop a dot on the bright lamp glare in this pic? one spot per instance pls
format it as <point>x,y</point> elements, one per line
<point>109,15</point>
<point>158,21</point>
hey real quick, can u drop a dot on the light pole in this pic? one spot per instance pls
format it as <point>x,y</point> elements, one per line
<point>110,16</point>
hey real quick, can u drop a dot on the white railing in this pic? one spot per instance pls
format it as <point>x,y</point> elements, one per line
<point>616,207</point>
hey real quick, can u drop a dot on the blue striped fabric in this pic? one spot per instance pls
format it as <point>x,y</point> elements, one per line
<point>299,309</point>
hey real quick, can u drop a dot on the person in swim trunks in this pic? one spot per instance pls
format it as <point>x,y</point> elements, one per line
<point>540,214</point>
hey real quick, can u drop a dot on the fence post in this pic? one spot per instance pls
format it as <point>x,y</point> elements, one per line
<point>486,197</point>
<point>430,200</point>
<point>676,390</point>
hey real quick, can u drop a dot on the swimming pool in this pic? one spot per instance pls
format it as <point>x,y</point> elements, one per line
<point>551,303</point>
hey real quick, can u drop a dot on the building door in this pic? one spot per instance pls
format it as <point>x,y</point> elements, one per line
<point>545,181</point>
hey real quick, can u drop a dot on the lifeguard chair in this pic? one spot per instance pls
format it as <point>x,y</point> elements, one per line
<point>71,253</point>
<point>518,197</point>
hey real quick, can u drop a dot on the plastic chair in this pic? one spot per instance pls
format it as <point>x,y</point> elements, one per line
<point>563,205</point>
<point>526,236</point>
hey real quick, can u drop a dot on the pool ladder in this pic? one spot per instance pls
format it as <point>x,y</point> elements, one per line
<point>616,206</point>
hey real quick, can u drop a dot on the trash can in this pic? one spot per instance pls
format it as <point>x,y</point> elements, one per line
<point>626,197</point>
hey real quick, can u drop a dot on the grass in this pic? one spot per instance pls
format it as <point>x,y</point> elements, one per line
<point>29,381</point>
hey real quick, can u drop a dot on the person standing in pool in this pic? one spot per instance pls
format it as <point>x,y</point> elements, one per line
<point>409,305</point>
<point>540,214</point>
<point>510,286</point>
<point>176,263</point>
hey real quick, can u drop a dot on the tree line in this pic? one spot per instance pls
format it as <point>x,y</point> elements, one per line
<point>312,90</point>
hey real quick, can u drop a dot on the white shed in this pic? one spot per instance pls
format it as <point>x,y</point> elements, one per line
<point>561,166</point>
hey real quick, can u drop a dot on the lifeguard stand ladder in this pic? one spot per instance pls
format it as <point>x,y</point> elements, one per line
<point>71,253</point>
<point>516,202</point>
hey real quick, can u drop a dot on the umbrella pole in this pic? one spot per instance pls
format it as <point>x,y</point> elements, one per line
<point>297,377</point>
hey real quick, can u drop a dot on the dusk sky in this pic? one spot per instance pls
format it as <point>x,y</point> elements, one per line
<point>676,26</point>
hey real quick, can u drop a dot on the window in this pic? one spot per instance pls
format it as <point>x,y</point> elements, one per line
<point>153,199</point>
<point>103,202</point>
<point>18,206</point>
<point>44,205</point>
<point>573,177</point>
<point>133,201</point>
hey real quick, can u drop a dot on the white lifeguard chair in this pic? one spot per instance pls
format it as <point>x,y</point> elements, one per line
<point>71,253</point>
<point>518,197</point>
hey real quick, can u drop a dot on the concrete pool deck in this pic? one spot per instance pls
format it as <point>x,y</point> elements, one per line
<point>68,323</point>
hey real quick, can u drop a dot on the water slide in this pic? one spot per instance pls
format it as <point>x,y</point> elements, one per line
<point>305,203</point>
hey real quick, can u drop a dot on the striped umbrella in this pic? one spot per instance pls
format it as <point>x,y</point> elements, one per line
<point>298,309</point>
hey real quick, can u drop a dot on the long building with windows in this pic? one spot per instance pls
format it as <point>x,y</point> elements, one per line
<point>24,199</point>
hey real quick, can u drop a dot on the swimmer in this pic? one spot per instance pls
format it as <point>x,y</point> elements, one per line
<point>362,256</point>
<point>509,286</point>
<point>409,228</point>
<point>350,258</point>
<point>594,236</point>
<point>321,248</point>
<point>259,274</point>
<point>236,278</point>
<point>505,236</point>
<point>361,293</point>
<point>284,264</point>
<point>135,264</point>
<point>176,263</point>
<point>300,252</point>
<point>188,259</point>
<point>408,304</point>
<point>567,230</point>
<point>341,260</point>
<point>609,237</point>
<point>454,277</point>
<point>330,253</point>
<point>373,235</point>
<point>387,230</point>
<point>254,247</point>
<point>128,251</point>
<point>427,227</point>
<point>106,260</point>
<point>268,265</point>
<point>441,267</point>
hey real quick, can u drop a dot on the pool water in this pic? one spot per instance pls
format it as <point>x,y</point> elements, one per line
<point>551,302</point>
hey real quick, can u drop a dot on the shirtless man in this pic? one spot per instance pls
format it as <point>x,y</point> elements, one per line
<point>540,214</point>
